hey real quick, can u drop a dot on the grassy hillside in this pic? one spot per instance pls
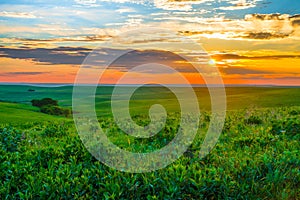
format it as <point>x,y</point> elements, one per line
<point>15,113</point>
<point>262,97</point>
<point>237,97</point>
<point>256,157</point>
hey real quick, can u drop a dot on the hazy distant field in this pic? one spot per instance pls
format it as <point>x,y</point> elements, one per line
<point>237,97</point>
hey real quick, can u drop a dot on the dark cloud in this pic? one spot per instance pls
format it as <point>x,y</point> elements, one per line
<point>228,56</point>
<point>242,71</point>
<point>296,23</point>
<point>265,35</point>
<point>272,16</point>
<point>87,66</point>
<point>263,77</point>
<point>189,33</point>
<point>100,57</point>
<point>60,55</point>
<point>295,20</point>
<point>295,17</point>
<point>22,73</point>
<point>136,58</point>
<point>86,38</point>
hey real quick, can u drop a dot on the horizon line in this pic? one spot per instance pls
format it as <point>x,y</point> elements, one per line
<point>157,85</point>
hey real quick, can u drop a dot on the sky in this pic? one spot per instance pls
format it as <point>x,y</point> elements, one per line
<point>241,41</point>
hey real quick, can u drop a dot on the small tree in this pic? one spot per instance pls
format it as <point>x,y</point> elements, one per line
<point>56,110</point>
<point>44,102</point>
<point>50,106</point>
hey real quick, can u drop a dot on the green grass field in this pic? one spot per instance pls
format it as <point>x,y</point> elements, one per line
<point>256,157</point>
<point>237,97</point>
<point>14,113</point>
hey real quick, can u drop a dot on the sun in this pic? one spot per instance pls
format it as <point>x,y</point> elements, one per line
<point>212,62</point>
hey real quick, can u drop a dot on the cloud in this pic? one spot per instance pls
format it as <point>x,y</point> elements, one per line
<point>126,10</point>
<point>54,21</point>
<point>241,70</point>
<point>270,66</point>
<point>89,38</point>
<point>88,3</point>
<point>273,77</point>
<point>76,56</point>
<point>231,56</point>
<point>140,2</point>
<point>265,35</point>
<point>132,21</point>
<point>239,5</point>
<point>135,39</point>
<point>60,55</point>
<point>17,15</point>
<point>100,57</point>
<point>41,29</point>
<point>139,57</point>
<point>272,26</point>
<point>22,73</point>
<point>262,17</point>
<point>252,27</point>
<point>295,20</point>
<point>181,5</point>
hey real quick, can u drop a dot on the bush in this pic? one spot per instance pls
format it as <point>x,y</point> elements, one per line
<point>56,110</point>
<point>50,106</point>
<point>44,102</point>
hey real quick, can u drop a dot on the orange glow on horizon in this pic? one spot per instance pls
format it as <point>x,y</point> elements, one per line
<point>282,72</point>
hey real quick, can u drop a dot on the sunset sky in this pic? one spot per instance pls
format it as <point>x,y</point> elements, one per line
<point>250,41</point>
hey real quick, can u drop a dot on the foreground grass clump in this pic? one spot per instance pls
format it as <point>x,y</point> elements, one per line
<point>257,157</point>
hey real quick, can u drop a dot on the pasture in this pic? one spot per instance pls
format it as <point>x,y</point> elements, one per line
<point>257,155</point>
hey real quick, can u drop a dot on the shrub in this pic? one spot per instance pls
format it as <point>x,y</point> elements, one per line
<point>56,110</point>
<point>44,102</point>
<point>50,106</point>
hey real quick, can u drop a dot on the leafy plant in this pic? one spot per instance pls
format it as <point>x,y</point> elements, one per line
<point>250,161</point>
<point>254,120</point>
<point>10,138</point>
